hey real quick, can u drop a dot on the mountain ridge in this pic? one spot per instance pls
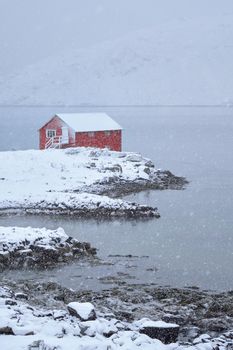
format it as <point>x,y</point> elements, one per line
<point>183,62</point>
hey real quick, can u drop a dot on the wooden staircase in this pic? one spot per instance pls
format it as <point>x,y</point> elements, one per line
<point>54,142</point>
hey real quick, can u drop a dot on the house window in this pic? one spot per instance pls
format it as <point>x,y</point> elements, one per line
<point>107,133</point>
<point>50,133</point>
<point>91,134</point>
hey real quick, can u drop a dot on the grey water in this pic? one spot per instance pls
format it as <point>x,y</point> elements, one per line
<point>192,243</point>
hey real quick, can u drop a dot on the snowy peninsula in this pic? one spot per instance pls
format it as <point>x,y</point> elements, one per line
<point>27,247</point>
<point>79,181</point>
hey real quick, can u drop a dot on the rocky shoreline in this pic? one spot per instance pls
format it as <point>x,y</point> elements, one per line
<point>72,206</point>
<point>205,319</point>
<point>194,310</point>
<point>48,316</point>
<point>29,248</point>
<point>116,187</point>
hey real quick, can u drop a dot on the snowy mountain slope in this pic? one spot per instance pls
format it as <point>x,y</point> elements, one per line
<point>187,61</point>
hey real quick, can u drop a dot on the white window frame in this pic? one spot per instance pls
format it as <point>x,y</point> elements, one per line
<point>51,133</point>
<point>107,133</point>
<point>91,134</point>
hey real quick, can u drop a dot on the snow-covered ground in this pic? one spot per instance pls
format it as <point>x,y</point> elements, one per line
<point>65,170</point>
<point>56,329</point>
<point>26,327</point>
<point>182,61</point>
<point>68,181</point>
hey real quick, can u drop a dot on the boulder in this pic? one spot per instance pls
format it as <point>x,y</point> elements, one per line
<point>21,296</point>
<point>83,311</point>
<point>6,330</point>
<point>165,332</point>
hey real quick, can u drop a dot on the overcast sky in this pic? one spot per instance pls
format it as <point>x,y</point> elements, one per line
<point>33,29</point>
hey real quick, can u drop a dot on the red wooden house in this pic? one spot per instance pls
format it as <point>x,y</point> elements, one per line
<point>81,130</point>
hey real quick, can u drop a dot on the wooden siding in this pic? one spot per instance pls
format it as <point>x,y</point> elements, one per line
<point>101,139</point>
<point>55,124</point>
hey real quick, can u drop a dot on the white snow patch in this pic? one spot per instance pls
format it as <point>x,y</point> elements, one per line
<point>159,324</point>
<point>83,309</point>
<point>12,237</point>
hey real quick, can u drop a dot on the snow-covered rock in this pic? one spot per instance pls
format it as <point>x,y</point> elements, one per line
<point>38,247</point>
<point>12,237</point>
<point>84,311</point>
<point>166,332</point>
<point>80,204</point>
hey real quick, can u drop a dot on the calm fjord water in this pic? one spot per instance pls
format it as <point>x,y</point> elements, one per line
<point>192,242</point>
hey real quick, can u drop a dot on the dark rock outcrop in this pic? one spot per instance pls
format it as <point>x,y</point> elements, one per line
<point>115,186</point>
<point>166,334</point>
<point>6,330</point>
<point>27,255</point>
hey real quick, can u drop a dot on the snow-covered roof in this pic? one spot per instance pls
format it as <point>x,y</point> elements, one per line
<point>89,121</point>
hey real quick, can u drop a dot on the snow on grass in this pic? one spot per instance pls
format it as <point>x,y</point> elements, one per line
<point>64,170</point>
<point>54,180</point>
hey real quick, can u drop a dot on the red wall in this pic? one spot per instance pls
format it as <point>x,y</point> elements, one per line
<point>56,124</point>
<point>100,139</point>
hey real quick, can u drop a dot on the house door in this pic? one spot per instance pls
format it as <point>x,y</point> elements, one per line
<point>65,135</point>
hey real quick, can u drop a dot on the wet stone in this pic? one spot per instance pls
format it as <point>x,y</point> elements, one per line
<point>165,332</point>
